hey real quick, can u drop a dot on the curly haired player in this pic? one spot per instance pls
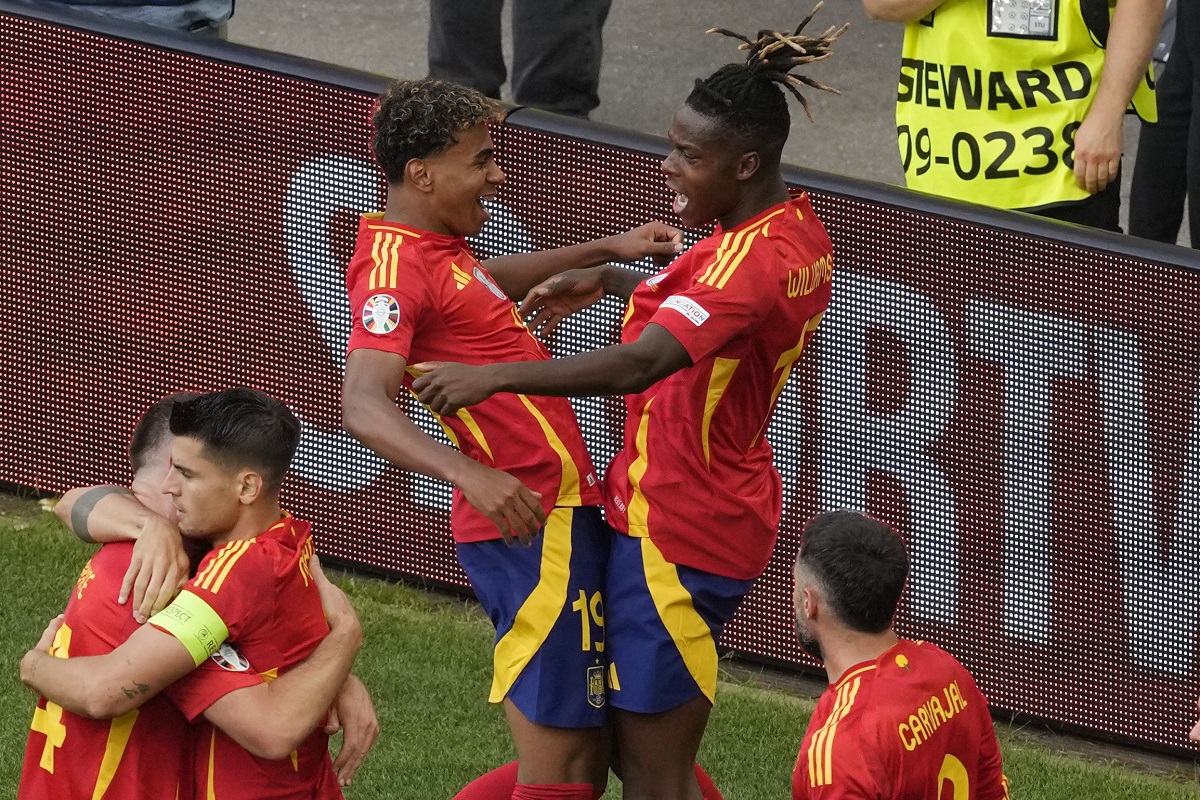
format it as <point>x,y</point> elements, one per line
<point>521,471</point>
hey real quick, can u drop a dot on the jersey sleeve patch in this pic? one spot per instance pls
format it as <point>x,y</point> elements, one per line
<point>692,311</point>
<point>194,623</point>
<point>380,314</point>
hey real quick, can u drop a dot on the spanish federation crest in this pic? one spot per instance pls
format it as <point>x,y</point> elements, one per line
<point>381,314</point>
<point>595,686</point>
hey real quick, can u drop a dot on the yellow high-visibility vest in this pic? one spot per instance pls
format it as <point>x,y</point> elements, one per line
<point>991,94</point>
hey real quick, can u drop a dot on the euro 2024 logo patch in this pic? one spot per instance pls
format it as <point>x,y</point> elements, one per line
<point>228,657</point>
<point>381,314</point>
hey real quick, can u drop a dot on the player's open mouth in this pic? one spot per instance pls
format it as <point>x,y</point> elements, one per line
<point>680,203</point>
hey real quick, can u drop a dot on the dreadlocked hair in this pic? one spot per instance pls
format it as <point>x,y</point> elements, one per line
<point>746,98</point>
<point>419,119</point>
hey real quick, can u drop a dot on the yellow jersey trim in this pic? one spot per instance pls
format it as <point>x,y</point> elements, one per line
<point>718,382</point>
<point>820,752</point>
<point>568,484</point>
<point>638,513</point>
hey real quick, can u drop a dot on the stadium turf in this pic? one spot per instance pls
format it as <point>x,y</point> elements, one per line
<point>426,660</point>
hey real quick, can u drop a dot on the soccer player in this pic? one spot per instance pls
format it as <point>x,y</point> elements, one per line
<point>144,515</point>
<point>900,719</point>
<point>520,471</point>
<point>257,587</point>
<point>707,346</point>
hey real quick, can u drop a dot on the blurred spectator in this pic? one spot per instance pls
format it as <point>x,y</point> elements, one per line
<point>1012,103</point>
<point>556,50</point>
<point>1168,159</point>
<point>205,17</point>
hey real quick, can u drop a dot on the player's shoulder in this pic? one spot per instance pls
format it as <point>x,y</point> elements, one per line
<point>232,562</point>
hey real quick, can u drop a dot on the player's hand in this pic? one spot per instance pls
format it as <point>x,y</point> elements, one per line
<point>513,508</point>
<point>1098,145</point>
<point>445,386</point>
<point>48,635</point>
<point>338,611</point>
<point>555,299</point>
<point>658,240</point>
<point>1195,733</point>
<point>354,714</point>
<point>158,570</point>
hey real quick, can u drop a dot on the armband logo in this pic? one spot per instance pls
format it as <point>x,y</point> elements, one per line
<point>653,282</point>
<point>694,312</point>
<point>381,314</point>
<point>228,657</point>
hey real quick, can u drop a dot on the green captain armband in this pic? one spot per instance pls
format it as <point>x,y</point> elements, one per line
<point>194,623</point>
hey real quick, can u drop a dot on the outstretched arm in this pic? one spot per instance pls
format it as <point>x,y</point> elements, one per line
<point>272,719</point>
<point>617,370</point>
<point>159,567</point>
<point>553,300</point>
<point>102,687</point>
<point>369,412</point>
<point>518,273</point>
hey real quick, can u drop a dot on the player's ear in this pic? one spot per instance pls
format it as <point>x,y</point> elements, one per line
<point>810,603</point>
<point>747,165</point>
<point>417,172</point>
<point>250,487</point>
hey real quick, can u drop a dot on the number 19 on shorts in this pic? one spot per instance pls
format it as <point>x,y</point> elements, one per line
<point>591,619</point>
<point>996,155</point>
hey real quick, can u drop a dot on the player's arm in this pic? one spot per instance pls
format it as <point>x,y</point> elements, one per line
<point>159,566</point>
<point>553,300</point>
<point>369,412</point>
<point>518,273</point>
<point>1099,140</point>
<point>272,719</point>
<point>102,687</point>
<point>621,369</point>
<point>899,10</point>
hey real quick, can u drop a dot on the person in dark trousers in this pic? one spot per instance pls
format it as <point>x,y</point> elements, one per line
<point>556,50</point>
<point>1168,157</point>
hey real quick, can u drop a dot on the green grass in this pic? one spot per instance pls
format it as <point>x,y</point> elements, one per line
<point>426,659</point>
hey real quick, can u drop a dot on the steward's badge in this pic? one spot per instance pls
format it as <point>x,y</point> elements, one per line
<point>595,686</point>
<point>1023,19</point>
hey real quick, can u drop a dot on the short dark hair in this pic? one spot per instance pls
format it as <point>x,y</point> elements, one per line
<point>860,563</point>
<point>153,428</point>
<point>241,428</point>
<point>746,99</point>
<point>419,119</point>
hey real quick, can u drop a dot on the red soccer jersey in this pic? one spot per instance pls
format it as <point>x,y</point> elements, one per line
<point>424,296</point>
<point>141,755</point>
<point>909,726</point>
<point>695,473</point>
<point>264,594</point>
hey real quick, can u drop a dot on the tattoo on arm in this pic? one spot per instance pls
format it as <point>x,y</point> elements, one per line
<point>138,689</point>
<point>86,504</point>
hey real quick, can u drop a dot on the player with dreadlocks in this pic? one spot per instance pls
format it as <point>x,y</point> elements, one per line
<point>707,346</point>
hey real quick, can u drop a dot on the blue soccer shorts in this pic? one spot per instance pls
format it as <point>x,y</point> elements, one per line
<point>547,604</point>
<point>663,623</point>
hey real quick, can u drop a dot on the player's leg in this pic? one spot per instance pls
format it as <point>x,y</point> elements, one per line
<point>663,622</point>
<point>465,43</point>
<point>557,48</point>
<point>546,602</point>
